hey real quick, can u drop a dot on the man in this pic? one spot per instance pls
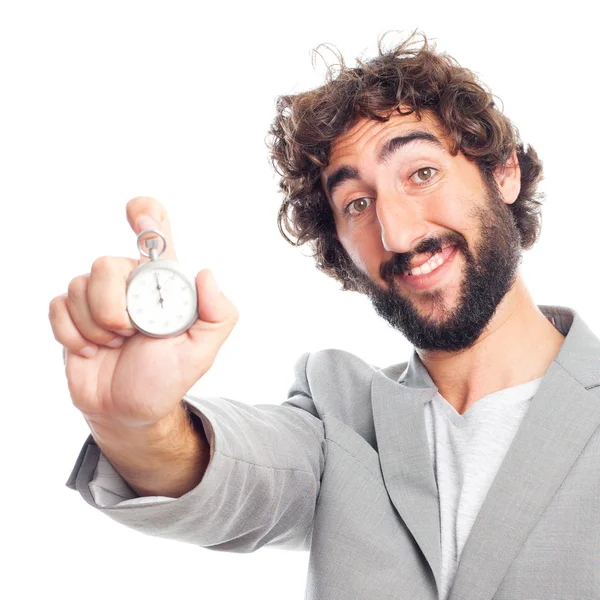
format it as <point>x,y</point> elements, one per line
<point>471,471</point>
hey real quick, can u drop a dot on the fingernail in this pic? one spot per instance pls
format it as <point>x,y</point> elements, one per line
<point>145,222</point>
<point>88,351</point>
<point>116,343</point>
<point>126,332</point>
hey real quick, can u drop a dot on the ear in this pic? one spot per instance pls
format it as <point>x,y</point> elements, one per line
<point>508,179</point>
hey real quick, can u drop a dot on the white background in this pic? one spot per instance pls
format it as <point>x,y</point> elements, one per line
<point>104,101</point>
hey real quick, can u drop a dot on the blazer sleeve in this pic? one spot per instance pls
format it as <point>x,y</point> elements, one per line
<point>260,487</point>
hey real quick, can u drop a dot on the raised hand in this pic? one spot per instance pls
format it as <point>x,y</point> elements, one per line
<point>116,374</point>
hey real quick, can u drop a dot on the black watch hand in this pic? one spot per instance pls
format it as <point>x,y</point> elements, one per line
<point>158,288</point>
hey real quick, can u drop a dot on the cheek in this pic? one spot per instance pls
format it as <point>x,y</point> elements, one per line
<point>364,250</point>
<point>450,210</point>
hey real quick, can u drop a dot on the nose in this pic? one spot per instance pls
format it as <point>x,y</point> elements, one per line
<point>401,221</point>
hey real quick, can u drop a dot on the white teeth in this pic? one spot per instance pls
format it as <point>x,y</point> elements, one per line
<point>431,265</point>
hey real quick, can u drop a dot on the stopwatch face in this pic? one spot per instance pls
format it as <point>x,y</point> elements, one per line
<point>161,301</point>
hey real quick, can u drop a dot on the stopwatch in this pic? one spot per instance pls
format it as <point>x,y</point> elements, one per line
<point>161,299</point>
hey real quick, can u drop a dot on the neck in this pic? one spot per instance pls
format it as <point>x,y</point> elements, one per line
<point>517,346</point>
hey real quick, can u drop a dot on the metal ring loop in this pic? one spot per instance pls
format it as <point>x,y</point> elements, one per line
<point>159,233</point>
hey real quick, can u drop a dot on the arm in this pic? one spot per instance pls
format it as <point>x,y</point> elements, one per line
<point>167,459</point>
<point>260,486</point>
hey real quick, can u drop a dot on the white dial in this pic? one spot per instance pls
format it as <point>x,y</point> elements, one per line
<point>161,300</point>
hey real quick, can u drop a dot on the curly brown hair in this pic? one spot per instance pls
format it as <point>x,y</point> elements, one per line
<point>410,78</point>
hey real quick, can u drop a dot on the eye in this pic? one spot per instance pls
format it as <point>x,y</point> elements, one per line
<point>423,175</point>
<point>360,205</point>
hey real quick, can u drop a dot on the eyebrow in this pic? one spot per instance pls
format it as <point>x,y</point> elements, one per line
<point>338,177</point>
<point>346,173</point>
<point>402,140</point>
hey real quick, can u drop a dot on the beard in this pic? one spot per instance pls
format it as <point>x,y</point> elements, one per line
<point>489,273</point>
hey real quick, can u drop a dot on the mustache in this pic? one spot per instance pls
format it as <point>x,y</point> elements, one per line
<point>399,263</point>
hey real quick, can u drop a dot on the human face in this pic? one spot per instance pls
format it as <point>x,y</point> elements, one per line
<point>398,197</point>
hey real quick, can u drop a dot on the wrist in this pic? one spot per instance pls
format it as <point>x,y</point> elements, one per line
<point>116,430</point>
<point>165,459</point>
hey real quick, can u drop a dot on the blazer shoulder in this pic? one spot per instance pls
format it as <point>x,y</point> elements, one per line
<point>341,363</point>
<point>340,383</point>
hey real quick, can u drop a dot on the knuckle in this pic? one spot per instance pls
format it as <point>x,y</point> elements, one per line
<point>70,342</point>
<point>77,286</point>
<point>63,337</point>
<point>55,307</point>
<point>57,336</point>
<point>111,318</point>
<point>107,318</point>
<point>102,264</point>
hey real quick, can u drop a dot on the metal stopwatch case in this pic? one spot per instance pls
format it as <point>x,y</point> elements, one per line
<point>161,299</point>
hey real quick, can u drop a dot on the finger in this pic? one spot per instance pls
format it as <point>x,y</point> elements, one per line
<point>65,332</point>
<point>79,311</point>
<point>107,297</point>
<point>144,206</point>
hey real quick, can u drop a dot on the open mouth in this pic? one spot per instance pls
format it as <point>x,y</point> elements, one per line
<point>431,271</point>
<point>434,262</point>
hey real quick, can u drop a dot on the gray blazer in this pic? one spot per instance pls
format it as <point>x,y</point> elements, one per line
<point>342,468</point>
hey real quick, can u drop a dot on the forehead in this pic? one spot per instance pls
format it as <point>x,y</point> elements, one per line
<point>367,137</point>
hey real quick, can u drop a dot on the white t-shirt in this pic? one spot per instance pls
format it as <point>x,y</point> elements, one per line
<point>466,452</point>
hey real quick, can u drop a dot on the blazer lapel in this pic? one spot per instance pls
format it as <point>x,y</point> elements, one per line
<point>398,413</point>
<point>561,418</point>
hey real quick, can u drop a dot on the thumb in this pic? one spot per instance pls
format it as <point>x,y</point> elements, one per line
<point>217,315</point>
<point>213,305</point>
